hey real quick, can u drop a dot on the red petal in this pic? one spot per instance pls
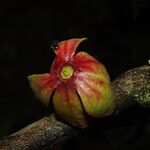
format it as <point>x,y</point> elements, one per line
<point>86,63</point>
<point>66,49</point>
<point>93,85</point>
<point>68,106</point>
<point>42,86</point>
<point>57,63</point>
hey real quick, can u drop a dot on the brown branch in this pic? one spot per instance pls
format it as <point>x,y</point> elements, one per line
<point>130,88</point>
<point>44,133</point>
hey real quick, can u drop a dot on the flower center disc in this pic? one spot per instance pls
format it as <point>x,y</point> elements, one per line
<point>66,72</point>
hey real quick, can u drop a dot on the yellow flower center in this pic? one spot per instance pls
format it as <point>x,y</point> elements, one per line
<point>66,72</point>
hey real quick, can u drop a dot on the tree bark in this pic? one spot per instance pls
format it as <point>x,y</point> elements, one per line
<point>44,133</point>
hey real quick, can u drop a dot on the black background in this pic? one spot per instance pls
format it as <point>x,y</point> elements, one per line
<point>118,33</point>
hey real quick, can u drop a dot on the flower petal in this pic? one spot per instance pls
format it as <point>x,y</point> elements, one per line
<point>86,63</point>
<point>66,49</point>
<point>68,106</point>
<point>93,85</point>
<point>42,86</point>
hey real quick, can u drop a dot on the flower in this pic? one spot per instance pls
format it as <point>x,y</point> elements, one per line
<point>78,84</point>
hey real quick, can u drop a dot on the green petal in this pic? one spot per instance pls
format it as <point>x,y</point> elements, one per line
<point>42,86</point>
<point>68,106</point>
<point>93,85</point>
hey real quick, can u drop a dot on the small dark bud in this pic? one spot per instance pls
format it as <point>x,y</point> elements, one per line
<point>54,45</point>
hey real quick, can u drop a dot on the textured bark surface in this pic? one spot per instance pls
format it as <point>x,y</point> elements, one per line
<point>132,87</point>
<point>42,134</point>
<point>129,88</point>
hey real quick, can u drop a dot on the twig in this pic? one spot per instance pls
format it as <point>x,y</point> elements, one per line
<point>130,88</point>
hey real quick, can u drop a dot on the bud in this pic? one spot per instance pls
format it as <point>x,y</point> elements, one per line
<point>80,83</point>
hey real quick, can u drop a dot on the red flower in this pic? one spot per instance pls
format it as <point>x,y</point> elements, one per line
<point>80,84</point>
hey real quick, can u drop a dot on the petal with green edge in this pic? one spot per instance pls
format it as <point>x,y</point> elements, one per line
<point>42,86</point>
<point>93,85</point>
<point>68,106</point>
<point>66,49</point>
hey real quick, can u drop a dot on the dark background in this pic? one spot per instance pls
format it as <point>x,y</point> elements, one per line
<point>118,33</point>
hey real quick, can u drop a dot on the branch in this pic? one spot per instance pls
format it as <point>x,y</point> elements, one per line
<point>46,132</point>
<point>132,87</point>
<point>129,88</point>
